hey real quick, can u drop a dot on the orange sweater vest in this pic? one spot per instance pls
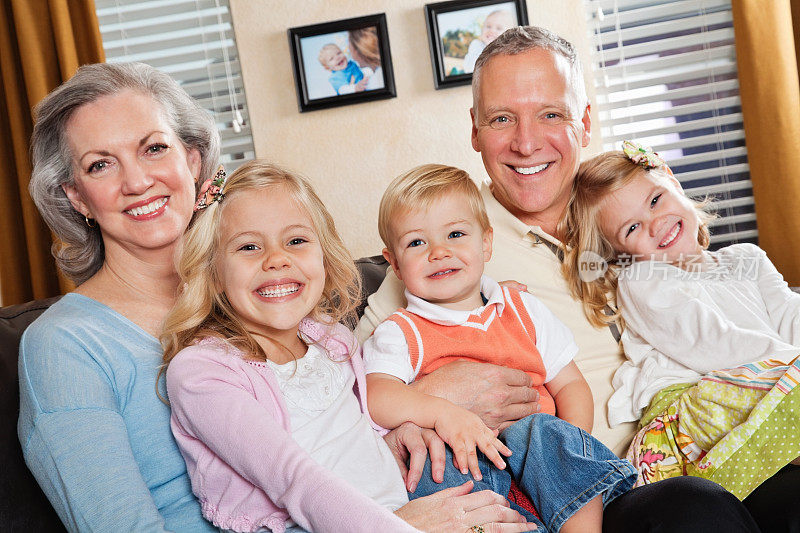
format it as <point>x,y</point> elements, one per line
<point>507,340</point>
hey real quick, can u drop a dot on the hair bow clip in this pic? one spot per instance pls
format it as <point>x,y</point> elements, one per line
<point>211,191</point>
<point>642,155</point>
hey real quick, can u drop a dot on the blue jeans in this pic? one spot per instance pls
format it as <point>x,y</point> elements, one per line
<point>558,466</point>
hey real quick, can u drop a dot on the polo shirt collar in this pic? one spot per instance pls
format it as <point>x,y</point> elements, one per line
<point>437,314</point>
<point>503,221</point>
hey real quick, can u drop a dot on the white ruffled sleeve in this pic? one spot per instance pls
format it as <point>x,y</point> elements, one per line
<point>680,319</point>
<point>386,352</point>
<point>783,305</point>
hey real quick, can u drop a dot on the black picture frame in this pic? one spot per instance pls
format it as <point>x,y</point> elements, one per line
<point>446,72</point>
<point>314,91</point>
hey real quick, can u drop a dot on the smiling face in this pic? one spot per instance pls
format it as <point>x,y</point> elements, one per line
<point>270,262</point>
<point>529,128</point>
<point>332,58</point>
<point>496,23</point>
<point>131,172</point>
<point>439,252</point>
<point>651,218</point>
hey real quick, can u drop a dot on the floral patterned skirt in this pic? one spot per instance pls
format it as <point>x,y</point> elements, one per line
<point>736,427</point>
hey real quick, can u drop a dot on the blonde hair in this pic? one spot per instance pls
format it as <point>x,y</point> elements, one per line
<point>202,310</point>
<point>364,45</point>
<point>580,227</point>
<point>420,187</point>
<point>329,46</point>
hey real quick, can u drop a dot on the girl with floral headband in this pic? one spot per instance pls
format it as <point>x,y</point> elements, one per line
<point>266,386</point>
<point>685,313</point>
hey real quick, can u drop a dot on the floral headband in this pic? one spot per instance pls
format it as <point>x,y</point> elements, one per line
<point>642,155</point>
<point>211,191</point>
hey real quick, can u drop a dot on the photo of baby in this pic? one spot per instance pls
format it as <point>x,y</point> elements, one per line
<point>494,24</point>
<point>343,62</point>
<point>466,32</point>
<point>346,76</point>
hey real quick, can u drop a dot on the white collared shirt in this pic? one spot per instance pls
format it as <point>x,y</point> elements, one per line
<point>387,351</point>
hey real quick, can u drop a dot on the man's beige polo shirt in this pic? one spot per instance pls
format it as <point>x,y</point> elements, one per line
<point>520,254</point>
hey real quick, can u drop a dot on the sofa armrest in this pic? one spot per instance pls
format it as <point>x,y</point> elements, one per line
<point>23,505</point>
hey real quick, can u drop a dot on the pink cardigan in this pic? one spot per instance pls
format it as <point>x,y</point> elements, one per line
<point>231,425</point>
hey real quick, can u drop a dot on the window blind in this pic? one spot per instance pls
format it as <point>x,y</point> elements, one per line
<point>665,75</point>
<point>193,41</point>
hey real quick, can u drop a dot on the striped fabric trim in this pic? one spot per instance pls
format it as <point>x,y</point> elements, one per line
<point>484,320</point>
<point>415,352</point>
<point>512,304</point>
<point>514,300</point>
<point>761,375</point>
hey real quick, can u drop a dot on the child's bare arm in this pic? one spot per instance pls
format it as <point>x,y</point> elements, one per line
<point>572,397</point>
<point>391,402</point>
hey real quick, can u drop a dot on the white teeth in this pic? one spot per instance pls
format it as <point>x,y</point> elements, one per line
<point>149,208</point>
<point>671,237</point>
<point>278,291</point>
<point>443,272</point>
<point>531,170</point>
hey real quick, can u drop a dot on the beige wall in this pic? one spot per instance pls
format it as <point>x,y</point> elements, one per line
<point>351,153</point>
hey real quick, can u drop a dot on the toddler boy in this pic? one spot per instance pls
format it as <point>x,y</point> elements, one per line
<point>437,236</point>
<point>495,23</point>
<point>346,76</point>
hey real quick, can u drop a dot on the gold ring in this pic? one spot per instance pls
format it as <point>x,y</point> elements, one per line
<point>477,529</point>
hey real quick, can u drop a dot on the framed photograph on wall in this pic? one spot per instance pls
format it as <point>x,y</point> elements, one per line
<point>459,30</point>
<point>342,62</point>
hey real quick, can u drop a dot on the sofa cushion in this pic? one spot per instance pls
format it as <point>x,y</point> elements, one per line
<point>23,505</point>
<point>372,270</point>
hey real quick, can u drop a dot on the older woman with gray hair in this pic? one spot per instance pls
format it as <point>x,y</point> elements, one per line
<point>117,152</point>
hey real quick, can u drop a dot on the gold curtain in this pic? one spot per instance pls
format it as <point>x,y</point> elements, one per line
<point>770,93</point>
<point>42,43</point>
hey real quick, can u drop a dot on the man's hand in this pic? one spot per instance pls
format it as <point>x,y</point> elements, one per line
<point>410,445</point>
<point>497,394</point>
<point>515,285</point>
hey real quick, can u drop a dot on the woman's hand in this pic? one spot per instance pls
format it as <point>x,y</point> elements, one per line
<point>455,509</point>
<point>410,446</point>
<point>463,431</point>
<point>497,394</point>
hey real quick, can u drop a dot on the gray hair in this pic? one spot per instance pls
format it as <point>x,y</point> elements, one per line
<point>521,39</point>
<point>80,252</point>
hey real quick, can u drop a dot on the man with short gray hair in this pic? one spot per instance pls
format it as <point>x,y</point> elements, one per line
<point>530,119</point>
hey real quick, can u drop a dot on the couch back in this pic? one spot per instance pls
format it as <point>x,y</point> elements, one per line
<point>23,505</point>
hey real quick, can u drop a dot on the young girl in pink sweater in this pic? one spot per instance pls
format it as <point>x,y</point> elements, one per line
<point>267,388</point>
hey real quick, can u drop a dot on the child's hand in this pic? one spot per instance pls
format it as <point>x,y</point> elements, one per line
<point>463,431</point>
<point>361,85</point>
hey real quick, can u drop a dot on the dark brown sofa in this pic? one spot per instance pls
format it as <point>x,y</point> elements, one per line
<point>23,505</point>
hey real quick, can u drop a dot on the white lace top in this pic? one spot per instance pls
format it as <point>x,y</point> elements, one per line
<point>327,422</point>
